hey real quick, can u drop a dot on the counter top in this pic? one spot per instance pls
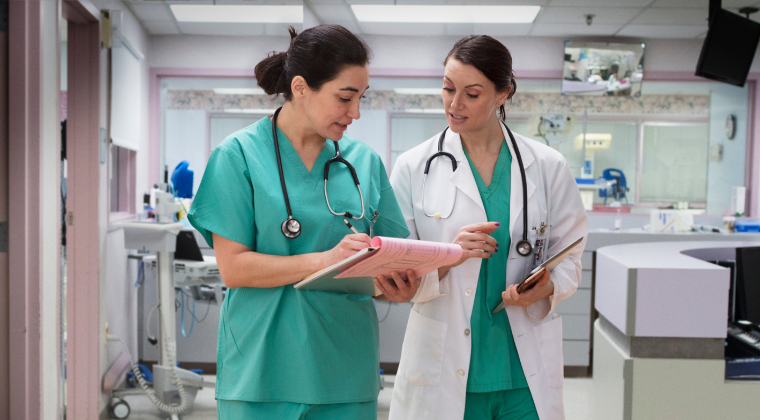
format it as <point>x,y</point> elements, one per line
<point>666,289</point>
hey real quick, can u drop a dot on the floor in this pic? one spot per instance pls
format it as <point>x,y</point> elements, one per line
<point>579,401</point>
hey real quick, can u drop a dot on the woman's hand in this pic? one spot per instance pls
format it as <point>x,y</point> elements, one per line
<point>402,291</point>
<point>476,242</point>
<point>348,246</point>
<point>543,289</point>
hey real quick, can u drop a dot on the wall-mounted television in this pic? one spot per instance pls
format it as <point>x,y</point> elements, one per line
<point>729,48</point>
<point>597,68</point>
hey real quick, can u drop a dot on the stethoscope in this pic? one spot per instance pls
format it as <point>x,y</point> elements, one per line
<point>523,247</point>
<point>291,227</point>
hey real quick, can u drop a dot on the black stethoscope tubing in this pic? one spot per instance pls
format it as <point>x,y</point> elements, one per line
<point>291,227</point>
<point>523,247</point>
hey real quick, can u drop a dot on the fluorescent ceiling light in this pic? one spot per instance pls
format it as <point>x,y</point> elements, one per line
<point>418,91</point>
<point>239,91</point>
<point>237,13</point>
<point>444,13</point>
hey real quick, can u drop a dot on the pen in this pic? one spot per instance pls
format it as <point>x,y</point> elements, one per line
<point>353,229</point>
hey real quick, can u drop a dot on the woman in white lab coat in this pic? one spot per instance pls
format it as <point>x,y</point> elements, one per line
<point>460,361</point>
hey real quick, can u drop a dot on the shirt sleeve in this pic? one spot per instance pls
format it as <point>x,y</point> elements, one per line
<point>390,221</point>
<point>224,202</point>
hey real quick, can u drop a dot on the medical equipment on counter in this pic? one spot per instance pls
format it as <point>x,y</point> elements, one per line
<point>174,389</point>
<point>523,246</point>
<point>291,227</point>
<point>670,221</point>
<point>747,225</point>
<point>738,197</point>
<point>618,186</point>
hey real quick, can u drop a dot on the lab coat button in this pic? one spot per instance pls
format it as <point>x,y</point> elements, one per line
<point>466,331</point>
<point>460,372</point>
<point>468,291</point>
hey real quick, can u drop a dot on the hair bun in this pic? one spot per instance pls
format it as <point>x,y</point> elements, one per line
<point>270,73</point>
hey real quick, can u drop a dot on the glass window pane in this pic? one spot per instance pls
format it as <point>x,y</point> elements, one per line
<point>674,164</point>
<point>407,132</point>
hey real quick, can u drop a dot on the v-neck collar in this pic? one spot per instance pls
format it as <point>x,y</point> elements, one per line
<point>317,171</point>
<point>498,171</point>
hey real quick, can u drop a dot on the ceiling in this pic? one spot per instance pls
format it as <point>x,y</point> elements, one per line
<point>157,18</point>
<point>683,19</point>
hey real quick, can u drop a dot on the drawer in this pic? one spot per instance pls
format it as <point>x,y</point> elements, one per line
<point>585,280</point>
<point>577,304</point>
<point>575,352</point>
<point>587,260</point>
<point>576,327</point>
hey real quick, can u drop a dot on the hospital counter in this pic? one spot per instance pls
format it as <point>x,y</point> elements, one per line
<point>659,340</point>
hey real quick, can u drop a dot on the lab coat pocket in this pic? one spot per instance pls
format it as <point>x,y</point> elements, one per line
<point>549,338</point>
<point>422,353</point>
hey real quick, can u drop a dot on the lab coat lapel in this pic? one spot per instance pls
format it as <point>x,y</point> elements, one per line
<point>516,192</point>
<point>462,178</point>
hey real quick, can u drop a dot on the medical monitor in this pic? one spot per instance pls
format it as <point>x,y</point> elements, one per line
<point>729,48</point>
<point>602,69</point>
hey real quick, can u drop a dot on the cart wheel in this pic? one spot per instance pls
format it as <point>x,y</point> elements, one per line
<point>119,408</point>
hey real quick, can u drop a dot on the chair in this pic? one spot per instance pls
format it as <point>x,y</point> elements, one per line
<point>620,187</point>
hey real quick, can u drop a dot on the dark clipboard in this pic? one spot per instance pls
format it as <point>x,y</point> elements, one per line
<point>537,272</point>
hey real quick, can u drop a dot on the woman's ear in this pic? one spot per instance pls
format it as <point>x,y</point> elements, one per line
<point>298,86</point>
<point>502,96</point>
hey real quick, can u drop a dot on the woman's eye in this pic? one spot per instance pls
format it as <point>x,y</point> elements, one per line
<point>345,100</point>
<point>448,89</point>
<point>364,97</point>
<point>473,96</point>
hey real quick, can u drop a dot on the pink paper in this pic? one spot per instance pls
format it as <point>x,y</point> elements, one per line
<point>401,254</point>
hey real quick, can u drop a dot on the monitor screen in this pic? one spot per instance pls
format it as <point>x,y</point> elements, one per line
<point>729,48</point>
<point>602,69</point>
<point>747,293</point>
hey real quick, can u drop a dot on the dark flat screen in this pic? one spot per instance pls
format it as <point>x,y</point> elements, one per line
<point>729,48</point>
<point>748,284</point>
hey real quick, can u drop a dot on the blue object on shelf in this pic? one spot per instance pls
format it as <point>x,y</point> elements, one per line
<point>197,371</point>
<point>744,368</point>
<point>182,179</point>
<point>146,373</point>
<point>747,225</point>
<point>619,189</point>
<point>582,181</point>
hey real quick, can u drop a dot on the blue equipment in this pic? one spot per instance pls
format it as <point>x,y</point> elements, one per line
<point>619,189</point>
<point>182,179</point>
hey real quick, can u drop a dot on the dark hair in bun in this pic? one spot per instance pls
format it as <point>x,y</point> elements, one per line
<point>492,58</point>
<point>317,54</point>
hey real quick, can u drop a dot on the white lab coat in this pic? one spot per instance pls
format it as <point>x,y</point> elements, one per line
<point>432,378</point>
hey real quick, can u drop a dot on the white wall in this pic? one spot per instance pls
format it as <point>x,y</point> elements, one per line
<point>186,139</point>
<point>372,129</point>
<point>217,52</point>
<point>724,100</point>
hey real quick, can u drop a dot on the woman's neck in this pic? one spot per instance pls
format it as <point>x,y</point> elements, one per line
<point>293,123</point>
<point>485,141</point>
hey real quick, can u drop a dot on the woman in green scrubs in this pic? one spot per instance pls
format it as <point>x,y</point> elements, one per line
<point>285,353</point>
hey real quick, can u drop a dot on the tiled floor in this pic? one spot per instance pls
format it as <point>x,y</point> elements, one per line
<point>579,400</point>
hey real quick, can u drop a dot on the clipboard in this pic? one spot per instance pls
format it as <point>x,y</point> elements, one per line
<point>350,285</point>
<point>537,272</point>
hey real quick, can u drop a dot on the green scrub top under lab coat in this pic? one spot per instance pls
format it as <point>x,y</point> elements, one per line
<point>281,344</point>
<point>494,364</point>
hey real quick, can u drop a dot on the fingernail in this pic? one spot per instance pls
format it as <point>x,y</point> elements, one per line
<point>497,223</point>
<point>497,249</point>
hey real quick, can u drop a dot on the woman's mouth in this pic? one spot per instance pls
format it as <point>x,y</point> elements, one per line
<point>342,127</point>
<point>457,118</point>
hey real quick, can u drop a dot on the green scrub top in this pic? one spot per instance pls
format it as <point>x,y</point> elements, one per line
<point>281,344</point>
<point>494,364</point>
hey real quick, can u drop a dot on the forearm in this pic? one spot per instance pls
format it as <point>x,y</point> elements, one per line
<point>253,269</point>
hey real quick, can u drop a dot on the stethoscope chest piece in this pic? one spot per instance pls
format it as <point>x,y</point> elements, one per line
<point>291,228</point>
<point>524,248</point>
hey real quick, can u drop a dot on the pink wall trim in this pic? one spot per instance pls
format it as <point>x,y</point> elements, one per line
<point>24,254</point>
<point>83,293</point>
<point>4,291</point>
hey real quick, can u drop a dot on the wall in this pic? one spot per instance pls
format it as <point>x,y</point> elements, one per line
<point>118,299</point>
<point>186,139</point>
<point>724,100</point>
<point>217,52</point>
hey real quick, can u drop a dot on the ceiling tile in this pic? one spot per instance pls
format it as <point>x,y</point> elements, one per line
<point>161,27</point>
<point>314,2</point>
<point>671,17</point>
<point>572,29</point>
<point>602,3</point>
<point>146,12</point>
<point>459,29</point>
<point>620,15</point>
<point>280,29</point>
<point>388,28</point>
<point>662,31</point>
<point>329,13</point>
<point>693,4</point>
<point>497,29</point>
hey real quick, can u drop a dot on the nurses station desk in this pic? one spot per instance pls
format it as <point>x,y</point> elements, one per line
<point>659,340</point>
